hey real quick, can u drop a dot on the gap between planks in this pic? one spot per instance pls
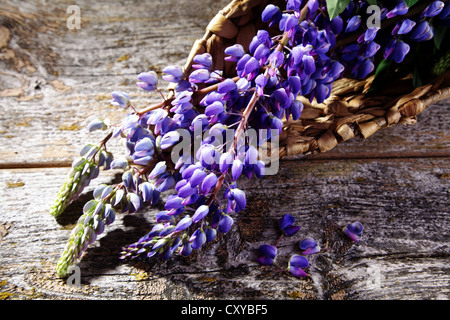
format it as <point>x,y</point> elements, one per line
<point>319,157</point>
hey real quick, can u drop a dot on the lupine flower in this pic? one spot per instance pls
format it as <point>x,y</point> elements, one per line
<point>172,73</point>
<point>399,10</point>
<point>309,246</point>
<point>306,62</point>
<point>183,224</point>
<point>403,27</point>
<point>353,231</point>
<point>96,124</point>
<point>422,32</point>
<point>200,213</point>
<point>353,23</point>
<point>396,50</point>
<point>269,12</point>
<point>266,254</point>
<point>261,82</point>
<point>296,265</point>
<point>199,76</point>
<point>120,99</point>
<point>235,53</point>
<point>236,169</point>
<point>225,223</point>
<point>286,223</point>
<point>214,109</point>
<point>236,200</point>
<point>147,80</point>
<point>433,9</point>
<point>198,238</point>
<point>203,61</point>
<point>169,139</point>
<point>210,234</point>
<point>159,169</point>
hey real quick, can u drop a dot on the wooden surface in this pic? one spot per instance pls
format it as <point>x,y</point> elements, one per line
<point>53,81</point>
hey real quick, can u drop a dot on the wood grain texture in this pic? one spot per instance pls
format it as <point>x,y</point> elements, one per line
<point>53,81</point>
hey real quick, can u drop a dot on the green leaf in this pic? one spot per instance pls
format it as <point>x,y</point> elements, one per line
<point>410,3</point>
<point>383,69</point>
<point>417,78</point>
<point>335,7</point>
<point>372,2</point>
<point>439,35</point>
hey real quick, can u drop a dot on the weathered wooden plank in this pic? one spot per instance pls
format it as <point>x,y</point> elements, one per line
<point>54,81</point>
<point>404,252</point>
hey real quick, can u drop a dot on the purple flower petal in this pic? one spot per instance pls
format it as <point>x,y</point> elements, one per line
<point>225,162</point>
<point>296,265</point>
<point>422,32</point>
<point>197,177</point>
<point>199,76</point>
<point>203,61</point>
<point>236,169</point>
<point>159,169</point>
<point>235,52</point>
<point>266,254</point>
<point>354,230</point>
<point>286,224</point>
<point>200,213</point>
<point>197,239</point>
<point>214,109</point>
<point>309,246</point>
<point>399,10</point>
<point>251,68</point>
<point>173,73</point>
<point>187,191</point>
<point>353,23</point>
<point>406,26</point>
<point>210,234</point>
<point>146,189</point>
<point>269,12</point>
<point>433,9</point>
<point>225,223</point>
<point>238,196</point>
<point>183,224</point>
<point>226,86</point>
<point>186,249</point>
<point>173,202</point>
<point>208,183</point>
<point>120,99</point>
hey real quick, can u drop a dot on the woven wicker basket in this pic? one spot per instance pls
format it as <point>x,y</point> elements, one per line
<point>346,114</point>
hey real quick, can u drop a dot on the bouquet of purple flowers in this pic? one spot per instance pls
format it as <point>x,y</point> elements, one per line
<point>228,113</point>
